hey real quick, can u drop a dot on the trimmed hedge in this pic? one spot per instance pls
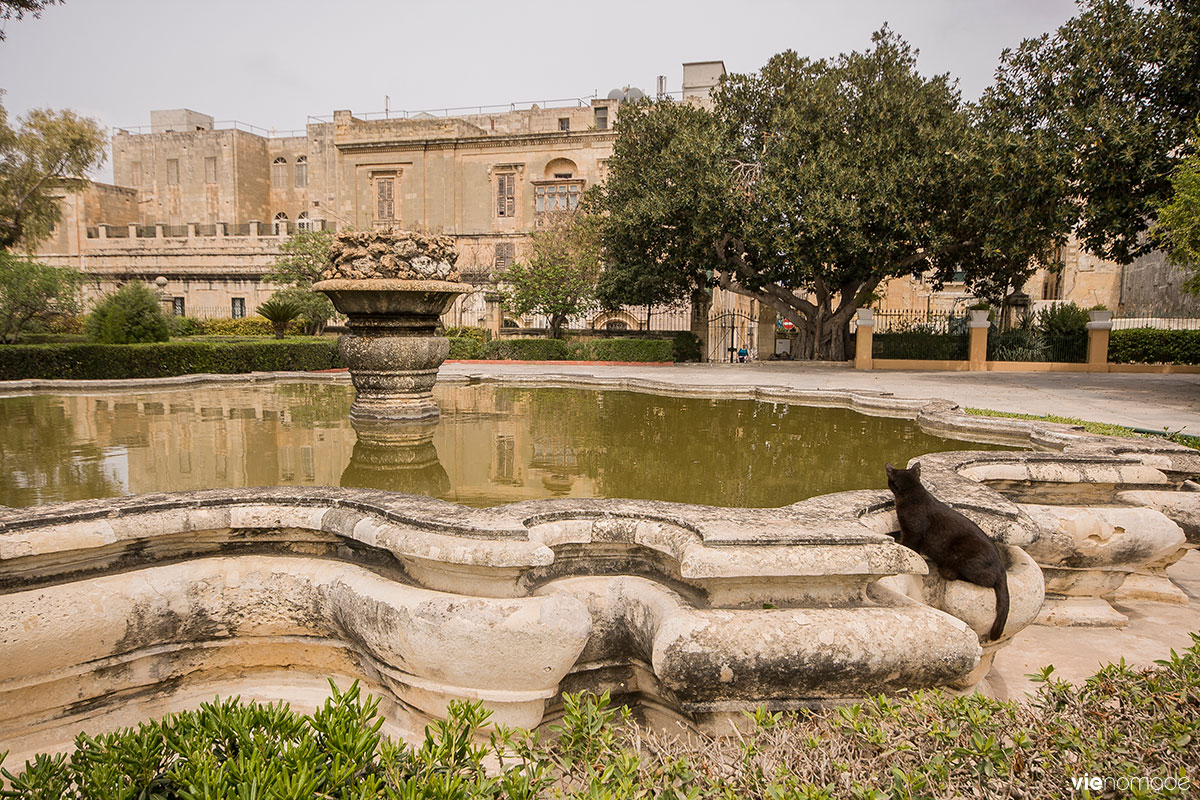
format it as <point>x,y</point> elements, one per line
<point>920,344</point>
<point>1153,346</point>
<point>526,350</point>
<point>631,350</point>
<point>165,359</point>
<point>246,326</point>
<point>464,348</point>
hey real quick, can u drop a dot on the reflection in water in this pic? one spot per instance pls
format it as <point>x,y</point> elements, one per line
<point>493,445</point>
<point>397,456</point>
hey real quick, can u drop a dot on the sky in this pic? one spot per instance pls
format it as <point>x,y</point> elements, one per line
<point>273,64</point>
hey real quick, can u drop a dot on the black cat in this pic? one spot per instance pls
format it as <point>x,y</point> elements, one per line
<point>954,543</point>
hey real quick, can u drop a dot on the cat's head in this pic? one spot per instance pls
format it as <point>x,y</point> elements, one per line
<point>900,480</point>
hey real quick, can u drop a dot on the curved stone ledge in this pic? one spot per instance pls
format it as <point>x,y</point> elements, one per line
<point>1088,554</point>
<point>431,601</point>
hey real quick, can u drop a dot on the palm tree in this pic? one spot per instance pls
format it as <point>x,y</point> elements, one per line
<point>280,312</point>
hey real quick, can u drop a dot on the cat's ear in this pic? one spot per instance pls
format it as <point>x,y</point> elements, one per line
<point>916,470</point>
<point>889,469</point>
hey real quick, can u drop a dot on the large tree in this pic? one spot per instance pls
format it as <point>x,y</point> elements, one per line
<point>47,151</point>
<point>1117,87</point>
<point>559,277</point>
<point>811,182</point>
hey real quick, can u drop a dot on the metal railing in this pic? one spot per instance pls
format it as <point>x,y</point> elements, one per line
<point>1123,320</point>
<point>463,111</point>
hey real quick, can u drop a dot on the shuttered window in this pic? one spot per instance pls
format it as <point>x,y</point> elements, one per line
<point>506,194</point>
<point>385,198</point>
<point>302,172</point>
<point>279,173</point>
<point>505,252</point>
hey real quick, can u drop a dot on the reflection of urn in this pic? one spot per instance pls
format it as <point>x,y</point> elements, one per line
<point>396,456</point>
<point>392,286</point>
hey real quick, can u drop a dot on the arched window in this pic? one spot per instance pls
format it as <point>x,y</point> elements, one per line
<point>303,223</point>
<point>509,322</point>
<point>281,223</point>
<point>279,173</point>
<point>616,325</point>
<point>302,172</point>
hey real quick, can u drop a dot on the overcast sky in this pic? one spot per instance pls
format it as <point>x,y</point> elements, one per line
<point>271,63</point>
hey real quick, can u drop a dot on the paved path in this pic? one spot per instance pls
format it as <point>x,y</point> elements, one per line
<point>1138,401</point>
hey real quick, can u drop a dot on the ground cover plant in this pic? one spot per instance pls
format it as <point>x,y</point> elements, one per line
<point>1101,428</point>
<point>1134,731</point>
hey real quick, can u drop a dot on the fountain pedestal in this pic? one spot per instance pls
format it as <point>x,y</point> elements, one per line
<point>392,348</point>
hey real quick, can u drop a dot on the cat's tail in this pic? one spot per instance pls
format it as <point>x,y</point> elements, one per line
<point>1001,588</point>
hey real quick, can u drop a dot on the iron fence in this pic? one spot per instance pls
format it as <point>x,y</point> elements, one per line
<point>1124,320</point>
<point>919,320</point>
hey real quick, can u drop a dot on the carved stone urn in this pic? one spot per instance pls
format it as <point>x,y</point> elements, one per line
<point>392,286</point>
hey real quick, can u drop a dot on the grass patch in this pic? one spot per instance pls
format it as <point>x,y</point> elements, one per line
<point>1101,428</point>
<point>1122,724</point>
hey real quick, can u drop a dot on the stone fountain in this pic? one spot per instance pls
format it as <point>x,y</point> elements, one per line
<point>392,286</point>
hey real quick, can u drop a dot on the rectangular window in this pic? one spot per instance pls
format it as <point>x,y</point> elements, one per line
<point>177,307</point>
<point>557,197</point>
<point>564,123</point>
<point>506,194</point>
<point>210,169</point>
<point>301,173</point>
<point>601,119</point>
<point>135,173</point>
<point>238,307</point>
<point>385,198</point>
<point>505,252</point>
<point>172,172</point>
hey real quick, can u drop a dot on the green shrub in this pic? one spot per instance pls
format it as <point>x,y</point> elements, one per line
<point>1062,319</point>
<point>687,347</point>
<point>480,335</point>
<point>526,349</point>
<point>131,314</point>
<point>185,326</point>
<point>464,348</point>
<point>246,326</point>
<point>1153,346</point>
<point>631,350</point>
<point>1120,723</point>
<point>181,357</point>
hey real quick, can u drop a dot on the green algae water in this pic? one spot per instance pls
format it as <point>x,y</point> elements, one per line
<point>493,445</point>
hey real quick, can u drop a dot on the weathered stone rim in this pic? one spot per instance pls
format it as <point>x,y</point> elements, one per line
<point>389,285</point>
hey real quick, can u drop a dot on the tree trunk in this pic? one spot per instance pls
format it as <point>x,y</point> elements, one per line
<point>556,323</point>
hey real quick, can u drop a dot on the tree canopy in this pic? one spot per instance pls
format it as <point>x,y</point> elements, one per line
<point>1177,229</point>
<point>32,291</point>
<point>811,182</point>
<point>17,9</point>
<point>298,266</point>
<point>559,277</point>
<point>48,150</point>
<point>1117,89</point>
